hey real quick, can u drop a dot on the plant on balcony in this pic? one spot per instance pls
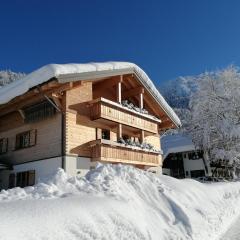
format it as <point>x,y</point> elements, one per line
<point>135,144</point>
<point>130,105</point>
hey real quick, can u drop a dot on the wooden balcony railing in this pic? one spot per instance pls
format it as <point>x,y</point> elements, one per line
<point>109,151</point>
<point>106,109</point>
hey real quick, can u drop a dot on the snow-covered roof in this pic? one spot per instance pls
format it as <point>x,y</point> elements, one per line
<point>75,72</point>
<point>176,143</point>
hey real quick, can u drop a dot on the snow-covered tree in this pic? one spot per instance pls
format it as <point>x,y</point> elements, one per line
<point>8,76</point>
<point>215,115</point>
<point>177,92</point>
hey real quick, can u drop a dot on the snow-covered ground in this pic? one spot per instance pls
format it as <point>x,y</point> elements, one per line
<point>233,233</point>
<point>118,202</point>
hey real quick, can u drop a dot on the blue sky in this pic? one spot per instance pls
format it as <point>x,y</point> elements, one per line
<point>167,38</point>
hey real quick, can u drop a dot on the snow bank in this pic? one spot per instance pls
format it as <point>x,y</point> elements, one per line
<point>50,71</point>
<point>118,202</point>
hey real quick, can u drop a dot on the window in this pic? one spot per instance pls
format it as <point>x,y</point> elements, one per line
<point>3,145</point>
<point>26,178</point>
<point>195,155</point>
<point>26,139</point>
<point>39,112</point>
<point>106,134</point>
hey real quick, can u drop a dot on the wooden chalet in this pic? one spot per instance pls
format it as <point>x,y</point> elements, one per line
<point>74,115</point>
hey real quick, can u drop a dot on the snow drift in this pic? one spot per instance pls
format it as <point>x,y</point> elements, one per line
<point>118,202</point>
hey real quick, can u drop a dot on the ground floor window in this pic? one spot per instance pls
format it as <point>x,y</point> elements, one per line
<point>197,173</point>
<point>26,178</point>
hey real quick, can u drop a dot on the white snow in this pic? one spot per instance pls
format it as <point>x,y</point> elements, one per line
<point>233,233</point>
<point>118,202</point>
<point>47,72</point>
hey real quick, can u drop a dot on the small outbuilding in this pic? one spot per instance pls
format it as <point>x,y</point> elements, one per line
<point>181,159</point>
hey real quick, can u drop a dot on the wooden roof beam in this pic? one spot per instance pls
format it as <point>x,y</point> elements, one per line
<point>108,83</point>
<point>33,96</point>
<point>133,92</point>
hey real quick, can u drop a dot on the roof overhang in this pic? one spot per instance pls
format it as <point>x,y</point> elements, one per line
<point>92,71</point>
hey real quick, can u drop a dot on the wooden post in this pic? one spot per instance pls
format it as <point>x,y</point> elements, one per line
<point>142,136</point>
<point>119,131</point>
<point>22,113</point>
<point>119,90</point>
<point>98,133</point>
<point>141,100</point>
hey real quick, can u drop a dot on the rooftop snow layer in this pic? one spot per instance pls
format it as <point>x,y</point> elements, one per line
<point>176,143</point>
<point>83,71</point>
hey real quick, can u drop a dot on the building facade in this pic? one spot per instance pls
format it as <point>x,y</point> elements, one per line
<point>181,159</point>
<point>74,115</point>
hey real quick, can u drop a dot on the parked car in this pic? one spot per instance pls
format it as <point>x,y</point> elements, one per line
<point>211,179</point>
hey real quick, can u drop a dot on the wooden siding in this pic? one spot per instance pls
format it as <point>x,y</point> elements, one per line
<point>154,140</point>
<point>48,138</point>
<point>79,129</point>
<point>106,151</point>
<point>110,112</point>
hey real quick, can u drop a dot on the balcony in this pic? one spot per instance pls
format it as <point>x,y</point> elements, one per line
<point>109,151</point>
<point>111,111</point>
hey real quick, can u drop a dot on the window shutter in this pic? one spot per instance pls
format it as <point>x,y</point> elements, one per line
<point>17,142</point>
<point>5,145</point>
<point>31,178</point>
<point>12,180</point>
<point>33,137</point>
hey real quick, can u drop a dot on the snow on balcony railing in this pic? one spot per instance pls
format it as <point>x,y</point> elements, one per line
<point>128,108</point>
<point>146,147</point>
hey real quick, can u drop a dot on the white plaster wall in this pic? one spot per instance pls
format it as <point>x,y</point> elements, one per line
<point>77,165</point>
<point>43,168</point>
<point>190,165</point>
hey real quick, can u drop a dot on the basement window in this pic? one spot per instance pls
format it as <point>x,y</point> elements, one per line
<point>26,139</point>
<point>26,178</point>
<point>3,145</point>
<point>39,111</point>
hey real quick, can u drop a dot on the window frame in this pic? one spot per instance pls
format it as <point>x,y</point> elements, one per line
<point>25,178</point>
<point>106,134</point>
<point>39,112</point>
<point>18,144</point>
